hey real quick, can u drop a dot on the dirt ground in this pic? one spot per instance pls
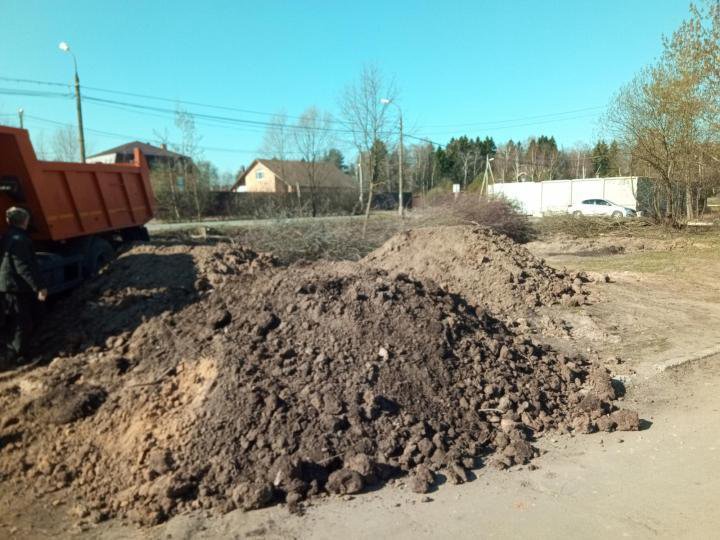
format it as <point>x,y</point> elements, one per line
<point>654,324</point>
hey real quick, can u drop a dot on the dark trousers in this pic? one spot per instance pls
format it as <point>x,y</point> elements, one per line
<point>19,323</point>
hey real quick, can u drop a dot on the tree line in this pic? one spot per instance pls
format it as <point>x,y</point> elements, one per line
<point>466,161</point>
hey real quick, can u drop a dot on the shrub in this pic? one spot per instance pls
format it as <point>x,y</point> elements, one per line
<point>498,213</point>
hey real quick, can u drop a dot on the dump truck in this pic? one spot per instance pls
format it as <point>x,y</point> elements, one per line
<point>81,213</point>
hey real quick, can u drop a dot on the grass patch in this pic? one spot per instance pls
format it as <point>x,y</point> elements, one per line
<point>644,262</point>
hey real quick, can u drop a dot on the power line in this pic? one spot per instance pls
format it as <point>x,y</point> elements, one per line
<point>193,103</point>
<point>242,121</point>
<point>131,137</point>
<point>529,124</point>
<point>144,114</point>
<point>490,123</point>
<point>32,93</point>
<point>248,125</point>
<point>156,98</point>
<point>33,81</point>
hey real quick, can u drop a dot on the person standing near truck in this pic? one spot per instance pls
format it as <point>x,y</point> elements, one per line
<point>21,285</point>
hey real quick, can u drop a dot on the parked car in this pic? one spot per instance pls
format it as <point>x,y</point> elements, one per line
<point>600,207</point>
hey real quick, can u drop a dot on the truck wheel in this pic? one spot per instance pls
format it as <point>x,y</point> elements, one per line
<point>99,254</point>
<point>617,214</point>
<point>577,213</point>
<point>136,234</point>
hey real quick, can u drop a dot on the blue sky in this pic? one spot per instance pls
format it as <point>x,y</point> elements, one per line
<point>507,69</point>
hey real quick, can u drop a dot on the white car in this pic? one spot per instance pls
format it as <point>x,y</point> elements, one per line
<point>600,207</point>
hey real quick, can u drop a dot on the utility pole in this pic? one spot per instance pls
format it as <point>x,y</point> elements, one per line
<point>360,178</point>
<point>20,116</point>
<point>400,170</point>
<point>78,102</point>
<point>488,169</point>
<point>401,212</point>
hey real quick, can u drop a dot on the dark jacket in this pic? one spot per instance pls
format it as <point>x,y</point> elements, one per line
<point>19,270</point>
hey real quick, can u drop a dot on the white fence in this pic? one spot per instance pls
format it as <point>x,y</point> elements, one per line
<point>550,196</point>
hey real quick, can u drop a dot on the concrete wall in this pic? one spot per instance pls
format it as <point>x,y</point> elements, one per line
<point>538,198</point>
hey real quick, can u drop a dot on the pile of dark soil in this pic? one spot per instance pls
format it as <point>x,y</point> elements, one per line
<point>488,269</point>
<point>251,384</point>
<point>141,284</point>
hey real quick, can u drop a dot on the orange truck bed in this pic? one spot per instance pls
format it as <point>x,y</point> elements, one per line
<point>71,200</point>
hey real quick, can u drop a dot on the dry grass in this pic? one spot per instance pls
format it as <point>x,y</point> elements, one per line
<point>290,241</point>
<point>593,227</point>
<point>497,213</point>
<point>590,227</point>
<point>338,240</point>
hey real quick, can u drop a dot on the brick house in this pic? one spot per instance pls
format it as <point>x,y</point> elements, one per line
<point>156,156</point>
<point>284,176</point>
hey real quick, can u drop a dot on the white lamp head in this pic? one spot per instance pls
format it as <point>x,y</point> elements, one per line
<point>385,101</point>
<point>64,47</point>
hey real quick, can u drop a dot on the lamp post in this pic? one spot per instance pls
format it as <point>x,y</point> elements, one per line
<point>400,156</point>
<point>64,47</point>
<point>21,112</point>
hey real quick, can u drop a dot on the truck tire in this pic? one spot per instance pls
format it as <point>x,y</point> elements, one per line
<point>617,214</point>
<point>135,234</point>
<point>577,213</point>
<point>99,253</point>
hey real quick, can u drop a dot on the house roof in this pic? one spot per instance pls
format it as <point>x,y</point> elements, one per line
<point>145,148</point>
<point>294,173</point>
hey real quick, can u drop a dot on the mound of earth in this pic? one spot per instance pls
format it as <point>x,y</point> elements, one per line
<point>256,384</point>
<point>486,268</point>
<point>143,283</point>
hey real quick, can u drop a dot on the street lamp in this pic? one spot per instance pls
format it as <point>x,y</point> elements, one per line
<point>21,112</point>
<point>64,47</point>
<point>400,156</point>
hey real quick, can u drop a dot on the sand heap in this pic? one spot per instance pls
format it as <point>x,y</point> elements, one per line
<point>242,384</point>
<point>488,269</point>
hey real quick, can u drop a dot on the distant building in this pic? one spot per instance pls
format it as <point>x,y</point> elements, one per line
<point>283,176</point>
<point>156,156</point>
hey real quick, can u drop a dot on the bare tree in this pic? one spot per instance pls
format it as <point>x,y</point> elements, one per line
<point>189,146</point>
<point>40,146</point>
<point>165,181</point>
<point>277,144</point>
<point>64,144</point>
<point>365,120</point>
<point>276,141</point>
<point>421,164</point>
<point>312,136</point>
<point>656,117</point>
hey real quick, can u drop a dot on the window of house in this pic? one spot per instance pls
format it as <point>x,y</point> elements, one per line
<point>180,183</point>
<point>259,174</point>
